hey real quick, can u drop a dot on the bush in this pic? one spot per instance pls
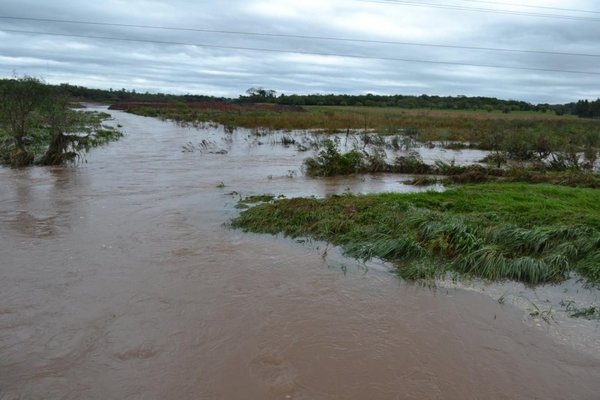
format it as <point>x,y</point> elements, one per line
<point>330,161</point>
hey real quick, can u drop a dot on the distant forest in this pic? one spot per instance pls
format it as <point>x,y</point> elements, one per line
<point>582,108</point>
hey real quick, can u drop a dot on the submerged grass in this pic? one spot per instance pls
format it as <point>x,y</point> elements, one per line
<point>425,125</point>
<point>530,233</point>
<point>330,161</point>
<point>591,312</point>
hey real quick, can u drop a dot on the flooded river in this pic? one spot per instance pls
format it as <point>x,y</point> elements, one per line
<point>121,280</point>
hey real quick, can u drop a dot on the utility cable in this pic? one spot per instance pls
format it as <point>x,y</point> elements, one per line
<point>327,54</point>
<point>500,3</point>
<point>480,10</point>
<point>309,37</point>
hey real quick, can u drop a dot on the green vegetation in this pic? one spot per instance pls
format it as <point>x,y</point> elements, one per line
<point>589,312</point>
<point>518,136</point>
<point>529,233</point>
<point>260,198</point>
<point>255,199</point>
<point>586,109</point>
<point>262,95</point>
<point>430,124</point>
<point>331,162</point>
<point>558,167</point>
<point>582,108</point>
<point>37,125</point>
<point>514,130</point>
<point>478,174</point>
<point>487,104</point>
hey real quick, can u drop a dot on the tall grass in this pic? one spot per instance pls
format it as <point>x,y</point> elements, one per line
<point>535,130</point>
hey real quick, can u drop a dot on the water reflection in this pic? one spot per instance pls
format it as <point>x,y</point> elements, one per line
<point>42,200</point>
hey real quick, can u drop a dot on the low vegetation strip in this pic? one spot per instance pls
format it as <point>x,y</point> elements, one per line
<point>530,233</point>
<point>562,168</point>
<point>131,106</point>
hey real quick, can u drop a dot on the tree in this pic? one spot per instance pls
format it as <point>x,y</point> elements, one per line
<point>20,100</point>
<point>58,120</point>
<point>261,93</point>
<point>595,109</point>
<point>37,124</point>
<point>70,133</point>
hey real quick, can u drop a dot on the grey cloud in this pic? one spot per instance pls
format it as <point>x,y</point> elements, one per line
<point>228,72</point>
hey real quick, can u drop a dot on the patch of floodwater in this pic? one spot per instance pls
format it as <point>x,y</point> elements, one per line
<point>548,307</point>
<point>545,307</point>
<point>248,162</point>
<point>119,280</point>
<point>458,157</point>
<point>270,162</point>
<point>305,143</point>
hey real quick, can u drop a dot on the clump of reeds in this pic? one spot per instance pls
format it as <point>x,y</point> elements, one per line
<point>330,161</point>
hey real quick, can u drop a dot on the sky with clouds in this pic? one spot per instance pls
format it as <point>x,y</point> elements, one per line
<point>194,58</point>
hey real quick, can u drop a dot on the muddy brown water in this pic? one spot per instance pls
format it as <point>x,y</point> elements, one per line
<point>119,280</point>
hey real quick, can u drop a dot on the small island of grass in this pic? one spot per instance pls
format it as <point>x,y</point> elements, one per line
<point>530,233</point>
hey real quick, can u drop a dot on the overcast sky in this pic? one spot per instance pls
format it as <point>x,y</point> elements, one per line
<point>160,67</point>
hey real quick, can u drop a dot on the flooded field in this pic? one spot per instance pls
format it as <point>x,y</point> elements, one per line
<point>121,280</point>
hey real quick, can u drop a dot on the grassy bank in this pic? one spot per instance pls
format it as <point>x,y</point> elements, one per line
<point>529,233</point>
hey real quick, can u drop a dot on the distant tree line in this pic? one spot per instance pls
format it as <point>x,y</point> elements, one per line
<point>402,101</point>
<point>582,108</point>
<point>586,109</point>
<point>116,95</point>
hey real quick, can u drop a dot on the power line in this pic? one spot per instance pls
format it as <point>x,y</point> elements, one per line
<point>354,56</point>
<point>500,3</point>
<point>480,10</point>
<point>311,37</point>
